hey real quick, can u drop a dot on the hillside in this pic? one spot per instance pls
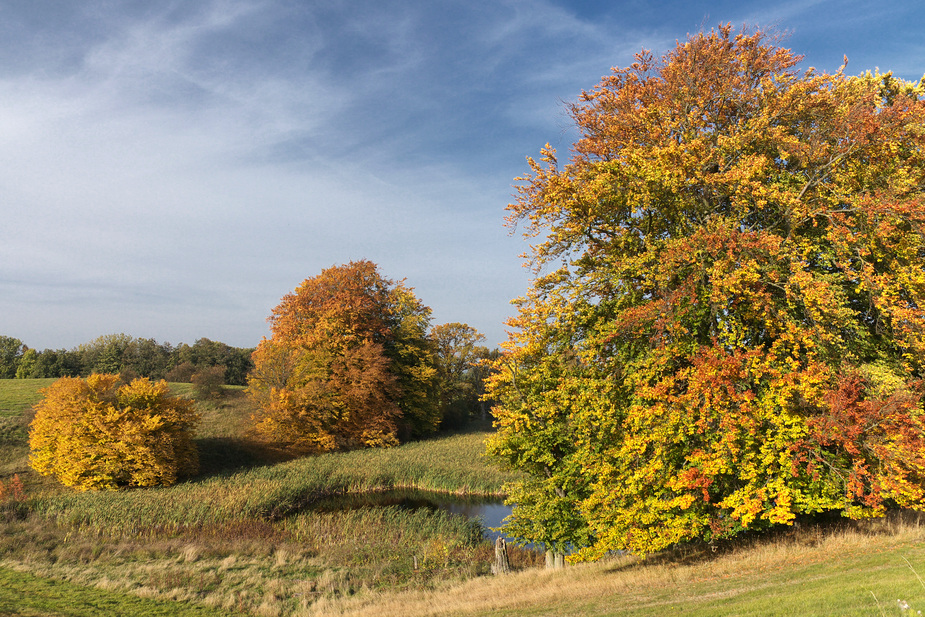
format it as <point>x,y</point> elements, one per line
<point>243,538</point>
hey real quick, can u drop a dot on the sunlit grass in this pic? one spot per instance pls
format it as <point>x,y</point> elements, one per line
<point>23,594</point>
<point>272,492</point>
<point>850,571</point>
<point>16,399</point>
<point>241,535</point>
<point>242,538</point>
<point>17,395</point>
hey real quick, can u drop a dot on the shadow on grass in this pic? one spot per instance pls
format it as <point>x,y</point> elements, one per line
<point>220,456</point>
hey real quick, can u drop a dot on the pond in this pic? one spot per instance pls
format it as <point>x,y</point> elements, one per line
<point>490,510</point>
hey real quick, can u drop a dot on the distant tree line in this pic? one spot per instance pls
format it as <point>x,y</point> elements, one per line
<point>132,357</point>
<point>455,356</point>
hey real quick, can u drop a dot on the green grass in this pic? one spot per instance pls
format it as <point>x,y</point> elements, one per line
<point>852,570</point>
<point>16,399</point>
<point>853,584</point>
<point>272,492</point>
<point>243,537</point>
<point>17,395</point>
<point>23,594</point>
<point>242,534</point>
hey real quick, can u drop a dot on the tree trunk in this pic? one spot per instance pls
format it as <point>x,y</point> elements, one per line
<point>502,564</point>
<point>554,560</point>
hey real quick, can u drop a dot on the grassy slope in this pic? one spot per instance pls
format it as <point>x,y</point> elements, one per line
<point>23,594</point>
<point>237,535</point>
<point>16,395</point>
<point>306,563</point>
<point>863,571</point>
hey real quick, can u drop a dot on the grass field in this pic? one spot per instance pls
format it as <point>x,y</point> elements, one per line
<point>242,539</point>
<point>242,536</point>
<point>17,395</point>
<point>847,571</point>
<point>23,594</point>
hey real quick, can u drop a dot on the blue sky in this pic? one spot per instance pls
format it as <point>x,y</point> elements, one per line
<point>171,169</point>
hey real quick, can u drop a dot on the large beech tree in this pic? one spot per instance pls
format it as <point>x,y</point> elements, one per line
<point>727,326</point>
<point>348,364</point>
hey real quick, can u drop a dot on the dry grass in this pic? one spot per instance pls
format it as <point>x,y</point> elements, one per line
<point>238,539</point>
<point>732,582</point>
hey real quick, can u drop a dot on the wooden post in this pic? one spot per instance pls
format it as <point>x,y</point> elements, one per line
<point>502,563</point>
<point>554,560</point>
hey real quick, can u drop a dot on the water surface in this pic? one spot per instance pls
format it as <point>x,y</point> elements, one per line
<point>490,511</point>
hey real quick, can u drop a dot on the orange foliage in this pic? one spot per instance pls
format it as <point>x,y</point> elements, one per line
<point>15,492</point>
<point>727,329</point>
<point>347,366</point>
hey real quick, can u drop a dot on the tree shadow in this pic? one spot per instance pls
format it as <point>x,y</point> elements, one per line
<point>808,530</point>
<point>220,456</point>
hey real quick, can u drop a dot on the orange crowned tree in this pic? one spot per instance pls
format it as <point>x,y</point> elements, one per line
<point>727,327</point>
<point>348,364</point>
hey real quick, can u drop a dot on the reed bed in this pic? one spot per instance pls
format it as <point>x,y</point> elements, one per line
<point>238,483</point>
<point>243,536</point>
<point>273,492</point>
<point>279,568</point>
<point>249,537</point>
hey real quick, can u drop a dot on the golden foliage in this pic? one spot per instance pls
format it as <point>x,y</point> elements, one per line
<point>727,328</point>
<point>100,434</point>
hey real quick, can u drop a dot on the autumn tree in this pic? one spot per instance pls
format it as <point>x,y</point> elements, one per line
<point>348,364</point>
<point>727,326</point>
<point>100,433</point>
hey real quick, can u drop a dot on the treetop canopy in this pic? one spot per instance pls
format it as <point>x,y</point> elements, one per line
<point>726,329</point>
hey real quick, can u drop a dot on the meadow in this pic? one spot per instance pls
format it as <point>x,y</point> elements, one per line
<point>244,538</point>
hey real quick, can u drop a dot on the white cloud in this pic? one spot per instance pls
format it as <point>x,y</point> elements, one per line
<point>170,170</point>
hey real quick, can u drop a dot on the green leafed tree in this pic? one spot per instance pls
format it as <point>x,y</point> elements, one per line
<point>727,325</point>
<point>457,353</point>
<point>11,353</point>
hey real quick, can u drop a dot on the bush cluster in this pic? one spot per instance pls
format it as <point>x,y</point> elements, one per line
<point>101,433</point>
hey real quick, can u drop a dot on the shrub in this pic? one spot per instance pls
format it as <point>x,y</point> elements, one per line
<point>96,433</point>
<point>181,373</point>
<point>209,382</point>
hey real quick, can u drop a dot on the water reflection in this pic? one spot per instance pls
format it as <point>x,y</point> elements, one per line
<point>490,510</point>
<point>492,514</point>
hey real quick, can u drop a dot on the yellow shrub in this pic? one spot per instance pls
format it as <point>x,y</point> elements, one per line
<point>96,433</point>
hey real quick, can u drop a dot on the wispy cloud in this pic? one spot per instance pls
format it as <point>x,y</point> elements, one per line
<point>175,168</point>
